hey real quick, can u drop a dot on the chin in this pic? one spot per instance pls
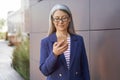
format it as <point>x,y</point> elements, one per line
<point>62,29</point>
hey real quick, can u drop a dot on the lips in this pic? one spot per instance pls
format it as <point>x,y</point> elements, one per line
<point>60,26</point>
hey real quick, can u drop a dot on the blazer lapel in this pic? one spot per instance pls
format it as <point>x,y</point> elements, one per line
<point>53,38</point>
<point>73,49</point>
<point>62,59</point>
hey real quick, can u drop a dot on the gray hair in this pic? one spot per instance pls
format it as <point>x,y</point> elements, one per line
<point>65,9</point>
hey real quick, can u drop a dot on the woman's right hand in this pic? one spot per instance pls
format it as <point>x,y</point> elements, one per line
<point>59,47</point>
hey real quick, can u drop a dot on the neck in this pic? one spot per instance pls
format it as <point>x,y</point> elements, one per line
<point>62,33</point>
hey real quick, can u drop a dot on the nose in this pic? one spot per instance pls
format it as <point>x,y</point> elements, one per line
<point>61,21</point>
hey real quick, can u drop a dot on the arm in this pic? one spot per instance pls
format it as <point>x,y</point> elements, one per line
<point>47,59</point>
<point>85,67</point>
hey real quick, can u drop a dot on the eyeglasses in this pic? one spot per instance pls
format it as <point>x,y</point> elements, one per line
<point>63,19</point>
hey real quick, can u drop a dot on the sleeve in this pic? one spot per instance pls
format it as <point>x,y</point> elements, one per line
<point>47,59</point>
<point>85,67</point>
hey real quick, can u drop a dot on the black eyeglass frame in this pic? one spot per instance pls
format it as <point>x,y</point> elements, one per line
<point>64,19</point>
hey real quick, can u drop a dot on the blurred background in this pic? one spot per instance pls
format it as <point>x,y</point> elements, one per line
<point>98,21</point>
<point>14,40</point>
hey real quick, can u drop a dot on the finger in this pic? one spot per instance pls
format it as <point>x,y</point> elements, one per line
<point>63,50</point>
<point>60,43</point>
<point>62,47</point>
<point>55,44</point>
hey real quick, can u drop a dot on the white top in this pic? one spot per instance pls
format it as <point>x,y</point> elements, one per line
<point>67,52</point>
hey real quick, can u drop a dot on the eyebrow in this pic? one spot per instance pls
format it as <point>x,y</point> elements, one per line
<point>61,16</point>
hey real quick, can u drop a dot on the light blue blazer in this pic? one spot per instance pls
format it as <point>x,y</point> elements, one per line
<point>55,68</point>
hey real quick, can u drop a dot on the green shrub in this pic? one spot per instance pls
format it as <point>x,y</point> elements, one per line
<point>20,59</point>
<point>2,35</point>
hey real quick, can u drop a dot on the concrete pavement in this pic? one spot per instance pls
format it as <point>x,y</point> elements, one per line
<point>6,71</point>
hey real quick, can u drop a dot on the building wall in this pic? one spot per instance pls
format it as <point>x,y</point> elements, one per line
<point>15,21</point>
<point>25,8</point>
<point>97,21</point>
<point>18,23</point>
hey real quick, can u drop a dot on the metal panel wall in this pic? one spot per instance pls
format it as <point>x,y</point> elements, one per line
<point>105,55</point>
<point>98,21</point>
<point>104,14</point>
<point>40,14</point>
<point>35,38</point>
<point>104,39</point>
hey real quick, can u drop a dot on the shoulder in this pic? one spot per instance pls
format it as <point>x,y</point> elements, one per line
<point>44,42</point>
<point>49,38</point>
<point>45,39</point>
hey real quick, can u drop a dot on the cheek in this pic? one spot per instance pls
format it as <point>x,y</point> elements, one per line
<point>55,25</point>
<point>67,24</point>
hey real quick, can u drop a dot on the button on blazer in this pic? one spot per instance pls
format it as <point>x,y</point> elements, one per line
<point>55,68</point>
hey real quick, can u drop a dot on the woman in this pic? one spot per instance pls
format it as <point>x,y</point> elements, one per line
<point>62,53</point>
